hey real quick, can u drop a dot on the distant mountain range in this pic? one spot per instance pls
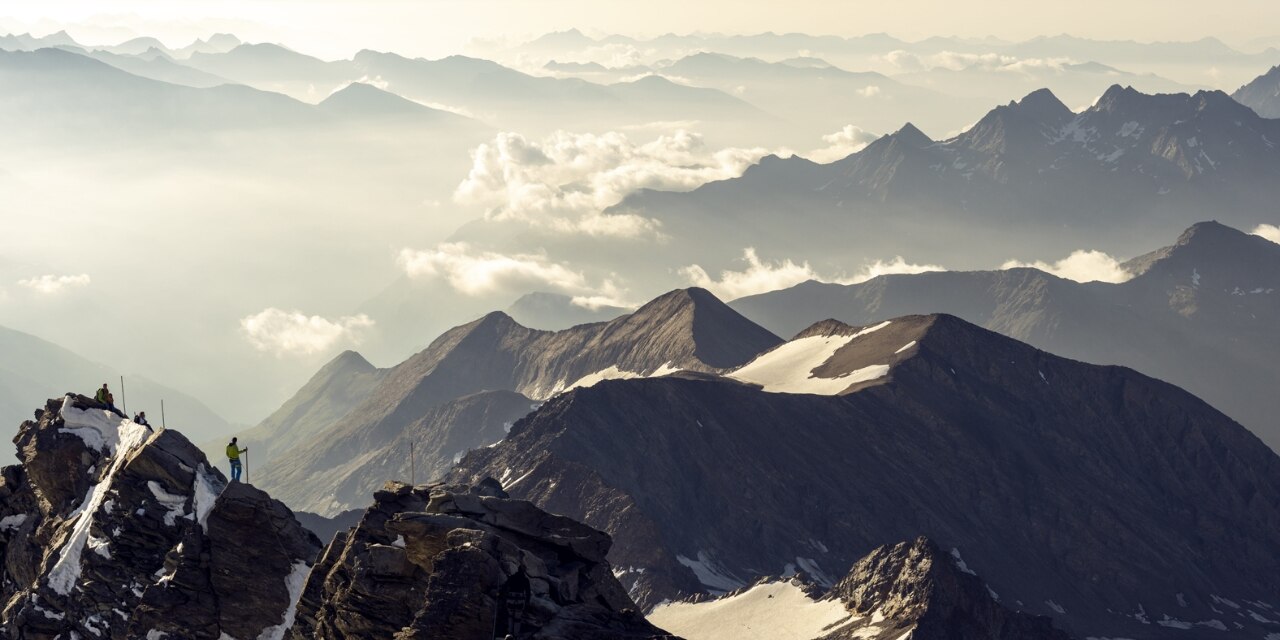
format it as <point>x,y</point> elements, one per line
<point>1118,505</point>
<point>349,429</point>
<point>35,368</point>
<point>1208,302</point>
<point>1031,175</point>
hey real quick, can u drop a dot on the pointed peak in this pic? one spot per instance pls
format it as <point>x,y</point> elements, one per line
<point>348,360</point>
<point>911,135</point>
<point>1116,96</point>
<point>1044,105</point>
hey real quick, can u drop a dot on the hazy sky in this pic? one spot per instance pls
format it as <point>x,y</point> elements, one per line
<point>336,28</point>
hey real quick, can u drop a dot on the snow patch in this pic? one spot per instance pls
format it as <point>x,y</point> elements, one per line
<point>905,347</point>
<point>12,522</point>
<point>770,611</point>
<point>118,436</point>
<point>789,367</point>
<point>960,564</point>
<point>709,574</point>
<point>175,505</point>
<point>294,582</point>
<point>1055,606</point>
<point>205,489</point>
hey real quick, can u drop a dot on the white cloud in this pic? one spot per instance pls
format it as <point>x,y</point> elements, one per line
<point>1081,266</point>
<point>474,272</point>
<point>565,181</point>
<point>758,277</point>
<point>869,91</point>
<point>898,265</point>
<point>762,276</point>
<point>1268,231</point>
<point>841,144</point>
<point>51,284</point>
<point>295,333</point>
<point>956,61</point>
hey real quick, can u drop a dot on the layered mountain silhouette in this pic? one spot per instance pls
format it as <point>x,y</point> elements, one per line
<point>1115,503</point>
<point>1031,175</point>
<point>465,390</point>
<point>1208,302</point>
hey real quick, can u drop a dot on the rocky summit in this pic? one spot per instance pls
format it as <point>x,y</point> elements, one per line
<point>111,529</point>
<point>466,563</point>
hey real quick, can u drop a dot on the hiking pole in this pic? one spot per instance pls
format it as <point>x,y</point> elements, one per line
<point>124,399</point>
<point>246,466</point>
<point>413,471</point>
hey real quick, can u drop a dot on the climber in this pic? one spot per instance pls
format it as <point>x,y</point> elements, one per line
<point>233,454</point>
<point>141,418</point>
<point>104,396</point>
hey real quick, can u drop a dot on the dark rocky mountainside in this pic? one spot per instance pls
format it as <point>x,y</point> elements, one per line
<point>1119,505</point>
<point>466,563</point>
<point>1030,174</point>
<point>1208,302</point>
<point>111,530</point>
<point>462,391</point>
<point>1262,94</point>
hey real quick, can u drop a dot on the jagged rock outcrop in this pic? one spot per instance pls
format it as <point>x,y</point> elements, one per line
<point>465,563</point>
<point>914,587</point>
<point>110,529</point>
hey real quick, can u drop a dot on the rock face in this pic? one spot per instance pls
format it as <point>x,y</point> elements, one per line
<point>1117,504</point>
<point>1209,301</point>
<point>915,587</point>
<point>465,563</point>
<point>111,530</point>
<point>472,382</point>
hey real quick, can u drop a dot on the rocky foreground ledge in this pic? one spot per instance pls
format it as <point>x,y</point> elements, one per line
<point>466,562</point>
<point>110,529</point>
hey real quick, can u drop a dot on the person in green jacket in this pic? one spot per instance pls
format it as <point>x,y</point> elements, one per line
<point>104,396</point>
<point>233,454</point>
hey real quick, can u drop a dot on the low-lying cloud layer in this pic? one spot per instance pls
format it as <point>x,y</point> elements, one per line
<point>475,272</point>
<point>1081,266</point>
<point>564,182</point>
<point>761,276</point>
<point>955,61</point>
<point>51,284</point>
<point>295,333</point>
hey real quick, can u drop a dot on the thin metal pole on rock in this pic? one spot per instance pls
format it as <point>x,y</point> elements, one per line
<point>246,466</point>
<point>124,399</point>
<point>162,414</point>
<point>413,470</point>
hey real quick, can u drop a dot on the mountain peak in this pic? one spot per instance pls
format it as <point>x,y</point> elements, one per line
<point>1044,105</point>
<point>1213,250</point>
<point>910,135</point>
<point>722,338</point>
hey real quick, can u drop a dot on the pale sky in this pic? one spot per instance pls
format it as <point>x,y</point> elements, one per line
<point>336,28</point>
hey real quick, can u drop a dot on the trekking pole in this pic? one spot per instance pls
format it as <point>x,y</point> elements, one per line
<point>246,467</point>
<point>413,470</point>
<point>124,399</point>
